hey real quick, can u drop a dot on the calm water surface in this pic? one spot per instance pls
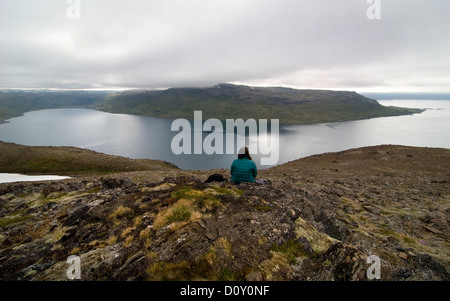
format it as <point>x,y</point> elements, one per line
<point>146,137</point>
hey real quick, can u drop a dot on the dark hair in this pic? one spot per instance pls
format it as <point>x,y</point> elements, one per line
<point>246,155</point>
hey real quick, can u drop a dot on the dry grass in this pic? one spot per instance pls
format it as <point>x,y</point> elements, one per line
<point>120,212</point>
<point>181,211</point>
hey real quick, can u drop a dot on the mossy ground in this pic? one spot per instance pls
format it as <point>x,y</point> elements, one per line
<point>135,226</point>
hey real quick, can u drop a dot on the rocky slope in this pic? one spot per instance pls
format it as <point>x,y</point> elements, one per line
<point>317,218</point>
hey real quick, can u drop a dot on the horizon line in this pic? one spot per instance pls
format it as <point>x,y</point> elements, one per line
<point>52,89</point>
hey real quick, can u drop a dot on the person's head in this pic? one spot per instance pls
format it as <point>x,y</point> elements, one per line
<point>244,153</point>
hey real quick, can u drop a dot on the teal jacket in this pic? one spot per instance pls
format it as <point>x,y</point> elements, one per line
<point>243,170</point>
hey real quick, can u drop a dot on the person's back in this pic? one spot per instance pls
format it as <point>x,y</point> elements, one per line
<point>243,169</point>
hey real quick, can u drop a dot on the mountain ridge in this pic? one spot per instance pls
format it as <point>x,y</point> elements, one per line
<point>228,101</point>
<point>222,101</point>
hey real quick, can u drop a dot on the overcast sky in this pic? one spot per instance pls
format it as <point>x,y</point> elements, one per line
<point>320,44</point>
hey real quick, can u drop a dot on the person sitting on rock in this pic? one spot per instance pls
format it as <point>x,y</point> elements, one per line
<point>243,169</point>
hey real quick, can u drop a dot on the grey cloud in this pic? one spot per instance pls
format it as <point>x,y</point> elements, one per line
<point>301,43</point>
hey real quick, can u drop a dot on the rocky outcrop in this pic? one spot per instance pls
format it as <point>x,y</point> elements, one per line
<point>123,227</point>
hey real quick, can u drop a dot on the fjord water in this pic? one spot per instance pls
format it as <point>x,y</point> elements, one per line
<point>146,137</point>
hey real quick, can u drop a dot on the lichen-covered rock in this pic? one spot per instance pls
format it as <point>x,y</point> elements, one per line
<point>179,228</point>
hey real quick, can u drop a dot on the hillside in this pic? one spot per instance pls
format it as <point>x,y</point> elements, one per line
<point>224,101</point>
<point>317,218</point>
<point>15,158</point>
<point>14,103</point>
